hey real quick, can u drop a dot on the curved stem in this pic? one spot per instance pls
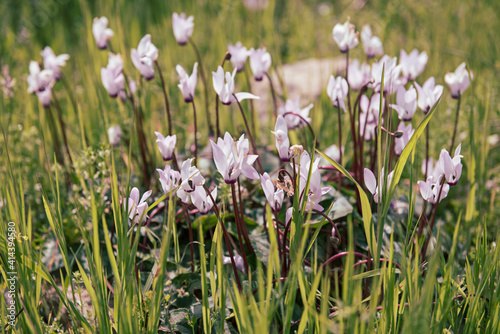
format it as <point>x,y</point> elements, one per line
<point>456,123</point>
<point>305,121</point>
<point>275,106</point>
<point>165,96</point>
<point>340,255</point>
<point>249,134</point>
<point>205,89</point>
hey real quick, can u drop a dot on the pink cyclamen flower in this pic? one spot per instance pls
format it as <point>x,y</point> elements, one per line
<point>371,184</point>
<point>392,72</point>
<point>225,88</point>
<point>368,119</point>
<point>452,167</point>
<point>273,196</point>
<point>431,189</point>
<point>292,120</point>
<point>191,177</point>
<point>182,27</point>
<point>458,81</point>
<point>112,77</point>
<point>371,44</point>
<point>239,55</point>
<point>282,142</point>
<point>232,159</point>
<point>413,64</point>
<point>169,180</point>
<point>115,135</point>
<point>166,145</point>
<point>7,82</point>
<point>137,208</point>
<point>187,83</point>
<point>53,62</point>
<point>359,75</point>
<point>401,142</point>
<point>144,57</point>
<point>428,94</point>
<point>345,36</point>
<point>406,103</point>
<point>102,34</point>
<point>337,90</point>
<point>238,259</point>
<point>260,62</point>
<point>41,82</point>
<point>202,201</point>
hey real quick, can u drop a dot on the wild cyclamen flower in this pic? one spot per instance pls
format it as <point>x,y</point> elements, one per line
<point>292,121</point>
<point>169,180</point>
<point>101,32</point>
<point>428,94</point>
<point>183,27</point>
<point>187,83</point>
<point>406,103</point>
<point>392,79</point>
<point>137,209</point>
<point>225,88</point>
<point>7,82</point>
<point>458,81</point>
<point>345,36</point>
<point>430,190</point>
<point>337,90</point>
<point>316,192</point>
<point>371,183</point>
<point>202,201</point>
<point>282,142</point>
<point>41,83</point>
<point>239,55</point>
<point>260,62</point>
<point>413,64</point>
<point>274,197</point>
<point>144,57</point>
<point>53,62</point>
<point>368,121</point>
<point>112,77</point>
<point>358,76</point>
<point>232,159</point>
<point>166,145</point>
<point>191,177</point>
<point>452,167</point>
<point>115,135</point>
<point>401,142</point>
<point>371,44</point>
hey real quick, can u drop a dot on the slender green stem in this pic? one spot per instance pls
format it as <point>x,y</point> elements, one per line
<point>63,128</point>
<point>205,88</point>
<point>456,123</point>
<point>165,96</point>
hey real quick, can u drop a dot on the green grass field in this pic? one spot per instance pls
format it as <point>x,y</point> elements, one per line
<point>72,261</point>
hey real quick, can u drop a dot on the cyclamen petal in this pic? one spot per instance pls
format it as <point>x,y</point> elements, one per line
<point>102,34</point>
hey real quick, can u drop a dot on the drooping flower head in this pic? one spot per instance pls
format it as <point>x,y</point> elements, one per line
<point>345,36</point>
<point>371,44</point>
<point>187,83</point>
<point>260,62</point>
<point>282,142</point>
<point>458,81</point>
<point>431,188</point>
<point>202,201</point>
<point>191,177</point>
<point>406,103</point>
<point>401,142</point>
<point>144,57</point>
<point>452,167</point>
<point>166,145</point>
<point>273,196</point>
<point>224,87</point>
<point>102,34</point>
<point>239,55</point>
<point>413,64</point>
<point>428,94</point>
<point>40,82</point>
<point>112,77</point>
<point>292,120</point>
<point>231,158</point>
<point>137,208</point>
<point>337,90</point>
<point>182,27</point>
<point>169,180</point>
<point>53,62</point>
